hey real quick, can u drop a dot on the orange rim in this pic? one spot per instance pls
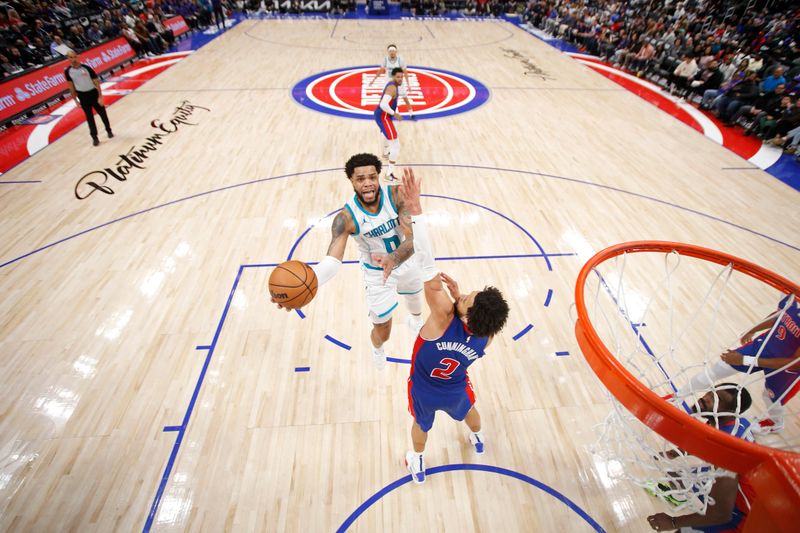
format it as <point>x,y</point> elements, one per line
<point>781,467</point>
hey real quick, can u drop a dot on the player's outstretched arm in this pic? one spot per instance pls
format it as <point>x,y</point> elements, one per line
<point>440,304</point>
<point>325,270</point>
<point>406,249</point>
<point>761,326</point>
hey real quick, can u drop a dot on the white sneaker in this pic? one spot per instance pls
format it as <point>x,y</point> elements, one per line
<point>391,178</point>
<point>476,439</point>
<point>416,467</point>
<point>414,323</point>
<point>379,358</point>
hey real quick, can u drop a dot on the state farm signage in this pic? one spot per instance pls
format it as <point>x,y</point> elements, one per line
<point>29,90</point>
<point>177,25</point>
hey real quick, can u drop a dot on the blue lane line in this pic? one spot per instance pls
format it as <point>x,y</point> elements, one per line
<point>187,416</point>
<point>173,428</point>
<point>302,369</point>
<point>642,341</point>
<point>302,235</point>
<point>397,360</point>
<point>501,215</point>
<point>548,297</point>
<point>340,344</point>
<point>477,167</point>
<point>202,347</point>
<point>561,354</point>
<point>19,181</point>
<point>525,330</point>
<point>299,313</point>
<point>478,468</point>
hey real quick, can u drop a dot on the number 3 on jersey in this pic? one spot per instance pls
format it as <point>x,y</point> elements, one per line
<point>444,373</point>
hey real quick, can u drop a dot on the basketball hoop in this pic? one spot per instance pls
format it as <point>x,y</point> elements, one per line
<point>663,300</point>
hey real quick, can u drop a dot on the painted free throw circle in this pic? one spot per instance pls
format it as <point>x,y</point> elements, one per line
<point>349,92</point>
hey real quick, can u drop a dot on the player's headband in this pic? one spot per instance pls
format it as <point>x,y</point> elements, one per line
<point>392,47</point>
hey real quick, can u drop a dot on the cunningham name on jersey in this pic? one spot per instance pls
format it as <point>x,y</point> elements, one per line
<point>463,349</point>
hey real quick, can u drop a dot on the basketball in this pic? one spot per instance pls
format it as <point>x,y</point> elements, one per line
<point>293,284</point>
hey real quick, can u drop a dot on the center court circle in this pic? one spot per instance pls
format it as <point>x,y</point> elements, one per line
<point>348,92</point>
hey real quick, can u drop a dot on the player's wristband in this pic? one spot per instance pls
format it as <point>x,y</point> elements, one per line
<point>422,247</point>
<point>749,360</point>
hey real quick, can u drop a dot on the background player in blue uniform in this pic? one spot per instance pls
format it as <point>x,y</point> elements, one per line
<point>385,113</point>
<point>454,336</point>
<point>776,352</point>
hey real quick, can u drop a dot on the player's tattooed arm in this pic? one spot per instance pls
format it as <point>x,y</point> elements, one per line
<point>406,249</point>
<point>342,227</point>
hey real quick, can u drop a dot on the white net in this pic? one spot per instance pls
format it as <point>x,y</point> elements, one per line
<point>673,321</point>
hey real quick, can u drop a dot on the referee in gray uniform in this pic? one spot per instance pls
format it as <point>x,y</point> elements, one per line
<point>84,85</point>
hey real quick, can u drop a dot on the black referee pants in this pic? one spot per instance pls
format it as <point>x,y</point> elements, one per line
<point>88,102</point>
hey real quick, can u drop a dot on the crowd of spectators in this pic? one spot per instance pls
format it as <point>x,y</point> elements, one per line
<point>737,59</point>
<point>738,62</point>
<point>34,32</point>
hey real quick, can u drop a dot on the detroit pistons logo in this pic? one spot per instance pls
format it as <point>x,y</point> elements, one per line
<point>351,92</point>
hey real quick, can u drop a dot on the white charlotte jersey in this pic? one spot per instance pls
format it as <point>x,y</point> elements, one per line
<point>390,64</point>
<point>378,233</point>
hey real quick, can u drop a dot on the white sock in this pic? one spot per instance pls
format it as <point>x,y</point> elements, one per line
<point>390,168</point>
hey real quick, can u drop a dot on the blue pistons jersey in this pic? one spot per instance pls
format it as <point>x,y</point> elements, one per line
<point>785,338</point>
<point>442,364</point>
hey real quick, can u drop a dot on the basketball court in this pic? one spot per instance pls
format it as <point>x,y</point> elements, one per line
<point>148,382</point>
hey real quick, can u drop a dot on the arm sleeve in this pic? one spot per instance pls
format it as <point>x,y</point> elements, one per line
<point>326,269</point>
<point>66,74</point>
<point>422,247</point>
<point>385,104</point>
<point>92,73</point>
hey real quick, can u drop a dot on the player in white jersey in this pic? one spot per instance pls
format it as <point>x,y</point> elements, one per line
<point>390,62</point>
<point>377,220</point>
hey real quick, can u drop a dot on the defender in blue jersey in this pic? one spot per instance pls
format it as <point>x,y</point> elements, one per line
<point>385,113</point>
<point>454,336</point>
<point>776,352</point>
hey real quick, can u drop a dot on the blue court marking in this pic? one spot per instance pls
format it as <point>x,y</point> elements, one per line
<point>544,255</point>
<point>525,330</point>
<point>548,297</point>
<point>398,360</point>
<point>340,344</point>
<point>190,408</point>
<point>300,96</point>
<point>299,313</point>
<point>172,428</point>
<point>501,215</point>
<point>202,347</point>
<point>477,468</point>
<point>19,181</point>
<point>477,167</point>
<point>302,369</point>
<point>561,354</point>
<point>640,337</point>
